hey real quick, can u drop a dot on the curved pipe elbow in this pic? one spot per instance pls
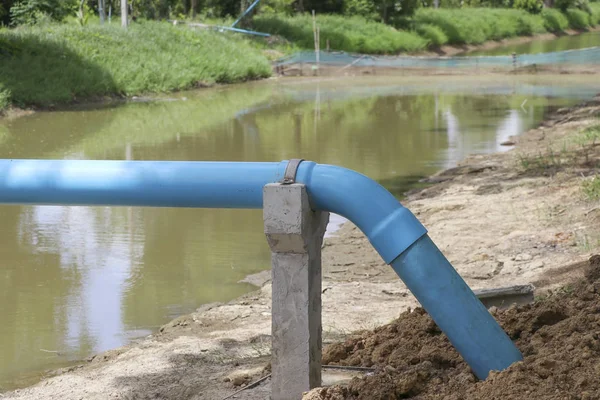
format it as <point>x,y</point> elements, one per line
<point>390,227</point>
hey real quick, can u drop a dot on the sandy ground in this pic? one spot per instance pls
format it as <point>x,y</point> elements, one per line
<point>517,217</point>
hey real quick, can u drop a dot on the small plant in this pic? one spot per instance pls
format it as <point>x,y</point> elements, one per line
<point>591,134</point>
<point>567,289</point>
<point>591,188</point>
<point>587,139</point>
<point>83,14</point>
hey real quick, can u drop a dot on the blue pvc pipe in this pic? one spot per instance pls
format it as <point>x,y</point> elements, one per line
<point>392,229</point>
<point>455,309</point>
<point>242,31</point>
<point>245,13</point>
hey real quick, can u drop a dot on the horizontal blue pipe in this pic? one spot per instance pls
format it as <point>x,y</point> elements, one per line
<point>392,229</point>
<point>227,28</point>
<point>455,309</point>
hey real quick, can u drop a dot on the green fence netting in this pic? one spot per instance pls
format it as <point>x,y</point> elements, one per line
<point>577,57</point>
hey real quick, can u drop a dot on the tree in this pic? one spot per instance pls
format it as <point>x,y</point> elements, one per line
<point>31,11</point>
<point>101,11</point>
<point>124,20</point>
<point>385,10</point>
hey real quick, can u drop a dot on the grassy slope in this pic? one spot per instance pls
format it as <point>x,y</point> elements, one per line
<point>41,66</point>
<point>432,27</point>
<point>59,63</point>
<point>354,34</point>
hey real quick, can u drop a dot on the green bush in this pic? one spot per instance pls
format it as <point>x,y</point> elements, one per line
<point>595,14</point>
<point>433,34</point>
<point>477,25</point>
<point>531,6</point>
<point>4,98</point>
<point>363,8</point>
<point>578,19</point>
<point>351,34</point>
<point>529,24</point>
<point>60,63</point>
<point>29,12</point>
<point>563,5</point>
<point>554,20</point>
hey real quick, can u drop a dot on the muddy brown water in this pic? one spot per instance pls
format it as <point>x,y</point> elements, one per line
<point>79,280</point>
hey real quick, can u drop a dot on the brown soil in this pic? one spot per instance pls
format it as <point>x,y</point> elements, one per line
<point>558,335</point>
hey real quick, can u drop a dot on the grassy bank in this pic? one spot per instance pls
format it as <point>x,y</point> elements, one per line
<point>54,64</point>
<point>354,34</point>
<point>427,28</point>
<point>41,66</point>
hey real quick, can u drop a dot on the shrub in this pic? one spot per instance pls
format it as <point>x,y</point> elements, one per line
<point>433,34</point>
<point>476,25</point>
<point>563,5</point>
<point>531,6</point>
<point>578,19</point>
<point>351,34</point>
<point>528,24</point>
<point>554,20</point>
<point>4,98</point>
<point>595,14</point>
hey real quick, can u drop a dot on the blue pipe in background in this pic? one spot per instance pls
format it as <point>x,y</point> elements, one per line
<point>392,229</point>
<point>226,28</point>
<point>245,13</point>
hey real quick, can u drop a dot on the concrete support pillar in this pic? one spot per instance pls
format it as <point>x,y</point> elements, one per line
<point>295,235</point>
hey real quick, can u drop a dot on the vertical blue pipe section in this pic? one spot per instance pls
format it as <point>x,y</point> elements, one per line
<point>455,308</point>
<point>245,13</point>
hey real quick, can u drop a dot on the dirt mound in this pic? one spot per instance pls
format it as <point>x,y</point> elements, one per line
<point>559,336</point>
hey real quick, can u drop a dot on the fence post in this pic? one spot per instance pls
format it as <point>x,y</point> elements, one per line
<point>295,235</point>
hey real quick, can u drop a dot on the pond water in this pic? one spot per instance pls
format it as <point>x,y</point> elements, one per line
<point>582,41</point>
<point>79,280</point>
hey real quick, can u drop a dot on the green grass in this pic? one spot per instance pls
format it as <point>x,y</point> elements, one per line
<point>578,19</point>
<point>351,34</point>
<point>40,66</point>
<point>477,25</point>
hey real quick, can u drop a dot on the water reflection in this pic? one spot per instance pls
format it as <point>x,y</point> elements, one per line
<point>78,280</point>
<point>581,41</point>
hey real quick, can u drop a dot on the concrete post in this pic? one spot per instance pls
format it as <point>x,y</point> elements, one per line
<point>295,234</point>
